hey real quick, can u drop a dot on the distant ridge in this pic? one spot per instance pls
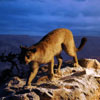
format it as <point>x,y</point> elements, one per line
<point>10,43</point>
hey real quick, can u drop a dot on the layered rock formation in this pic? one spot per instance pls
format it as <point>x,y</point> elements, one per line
<point>76,83</point>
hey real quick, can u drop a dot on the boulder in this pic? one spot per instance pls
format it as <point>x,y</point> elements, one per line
<point>75,83</point>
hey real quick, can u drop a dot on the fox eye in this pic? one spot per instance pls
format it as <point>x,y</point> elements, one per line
<point>28,56</point>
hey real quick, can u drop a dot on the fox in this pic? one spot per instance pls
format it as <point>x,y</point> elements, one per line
<point>50,46</point>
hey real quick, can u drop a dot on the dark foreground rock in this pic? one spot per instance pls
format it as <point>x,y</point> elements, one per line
<point>76,83</point>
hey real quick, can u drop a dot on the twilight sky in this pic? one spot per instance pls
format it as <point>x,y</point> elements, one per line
<point>38,17</point>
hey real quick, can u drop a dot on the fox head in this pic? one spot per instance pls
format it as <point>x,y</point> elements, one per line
<point>27,55</point>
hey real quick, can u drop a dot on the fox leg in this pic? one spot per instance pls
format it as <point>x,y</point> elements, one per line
<point>59,58</point>
<point>51,69</point>
<point>74,55</point>
<point>33,72</point>
<point>71,51</point>
<point>75,61</point>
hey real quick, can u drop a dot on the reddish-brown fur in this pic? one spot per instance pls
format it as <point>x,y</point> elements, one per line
<point>49,46</point>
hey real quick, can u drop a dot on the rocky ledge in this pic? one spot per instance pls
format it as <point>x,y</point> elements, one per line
<point>76,83</point>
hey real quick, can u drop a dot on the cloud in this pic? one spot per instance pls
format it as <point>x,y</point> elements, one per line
<point>42,16</point>
<point>79,0</point>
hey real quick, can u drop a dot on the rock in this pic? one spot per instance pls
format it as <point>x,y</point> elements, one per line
<point>25,96</point>
<point>76,83</point>
<point>89,63</point>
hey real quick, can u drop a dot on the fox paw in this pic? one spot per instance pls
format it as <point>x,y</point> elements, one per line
<point>59,73</point>
<point>76,65</point>
<point>26,87</point>
<point>57,76</point>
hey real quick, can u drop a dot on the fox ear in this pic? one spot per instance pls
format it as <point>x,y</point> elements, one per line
<point>23,47</point>
<point>33,50</point>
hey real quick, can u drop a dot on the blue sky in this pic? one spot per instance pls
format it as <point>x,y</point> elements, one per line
<point>38,17</point>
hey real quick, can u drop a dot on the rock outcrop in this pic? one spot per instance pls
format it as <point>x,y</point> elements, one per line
<point>76,83</point>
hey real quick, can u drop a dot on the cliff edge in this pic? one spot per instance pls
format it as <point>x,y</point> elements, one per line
<point>76,83</point>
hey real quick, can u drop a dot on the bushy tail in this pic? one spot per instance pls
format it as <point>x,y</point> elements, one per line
<point>83,41</point>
